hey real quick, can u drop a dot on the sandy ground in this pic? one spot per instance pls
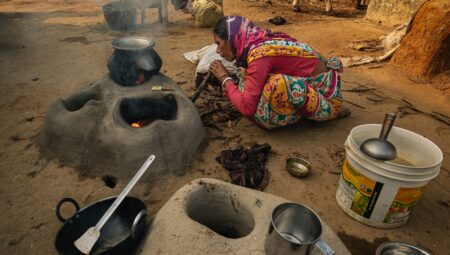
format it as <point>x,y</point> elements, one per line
<point>50,49</point>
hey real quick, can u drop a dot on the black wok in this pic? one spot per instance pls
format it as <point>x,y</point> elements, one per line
<point>120,234</point>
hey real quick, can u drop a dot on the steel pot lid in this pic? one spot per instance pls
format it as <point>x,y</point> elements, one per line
<point>132,43</point>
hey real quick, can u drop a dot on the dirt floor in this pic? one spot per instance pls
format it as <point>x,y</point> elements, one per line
<point>50,49</point>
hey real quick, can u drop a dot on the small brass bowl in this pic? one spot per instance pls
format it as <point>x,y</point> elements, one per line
<point>298,167</point>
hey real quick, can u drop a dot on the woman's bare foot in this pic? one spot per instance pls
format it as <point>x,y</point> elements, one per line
<point>344,112</point>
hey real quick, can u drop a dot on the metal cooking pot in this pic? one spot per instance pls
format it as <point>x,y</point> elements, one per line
<point>120,15</point>
<point>179,4</point>
<point>120,235</point>
<point>133,56</point>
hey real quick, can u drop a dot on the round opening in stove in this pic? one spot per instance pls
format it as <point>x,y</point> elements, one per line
<point>140,112</point>
<point>220,212</point>
<point>79,100</point>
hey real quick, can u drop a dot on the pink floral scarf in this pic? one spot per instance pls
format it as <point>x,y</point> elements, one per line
<point>243,36</point>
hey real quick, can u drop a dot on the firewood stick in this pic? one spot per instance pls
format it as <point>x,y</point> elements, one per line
<point>200,88</point>
<point>357,105</point>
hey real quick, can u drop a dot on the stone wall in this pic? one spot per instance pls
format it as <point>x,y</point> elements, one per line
<point>392,12</point>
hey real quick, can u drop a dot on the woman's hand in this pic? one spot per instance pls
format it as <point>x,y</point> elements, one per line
<point>218,70</point>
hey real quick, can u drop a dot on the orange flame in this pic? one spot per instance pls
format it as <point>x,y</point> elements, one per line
<point>135,125</point>
<point>141,123</point>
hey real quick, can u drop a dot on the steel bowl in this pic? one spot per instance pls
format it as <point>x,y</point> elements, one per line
<point>399,248</point>
<point>298,167</point>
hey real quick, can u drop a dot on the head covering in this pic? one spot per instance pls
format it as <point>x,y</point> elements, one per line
<point>243,36</point>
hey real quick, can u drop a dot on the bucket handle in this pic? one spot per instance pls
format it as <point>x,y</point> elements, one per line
<point>138,220</point>
<point>324,247</point>
<point>62,201</point>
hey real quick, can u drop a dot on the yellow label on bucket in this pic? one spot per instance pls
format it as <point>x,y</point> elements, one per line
<point>361,182</point>
<point>359,192</point>
<point>405,200</point>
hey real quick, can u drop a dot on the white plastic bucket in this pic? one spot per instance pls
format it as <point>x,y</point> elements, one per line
<point>383,193</point>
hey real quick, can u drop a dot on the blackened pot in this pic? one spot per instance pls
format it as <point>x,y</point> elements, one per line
<point>120,15</point>
<point>120,235</point>
<point>179,4</point>
<point>133,57</point>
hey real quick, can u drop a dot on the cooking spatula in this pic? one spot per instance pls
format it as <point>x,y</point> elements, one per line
<point>90,237</point>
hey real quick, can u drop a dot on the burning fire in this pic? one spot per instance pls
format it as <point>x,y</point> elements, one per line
<point>136,125</point>
<point>141,123</point>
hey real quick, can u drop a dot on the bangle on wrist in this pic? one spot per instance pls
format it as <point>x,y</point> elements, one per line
<point>223,75</point>
<point>224,81</point>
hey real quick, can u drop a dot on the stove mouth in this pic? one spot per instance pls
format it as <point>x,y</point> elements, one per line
<point>79,100</point>
<point>221,212</point>
<point>140,112</point>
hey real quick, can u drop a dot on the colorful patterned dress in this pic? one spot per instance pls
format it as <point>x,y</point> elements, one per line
<point>273,98</point>
<point>286,99</point>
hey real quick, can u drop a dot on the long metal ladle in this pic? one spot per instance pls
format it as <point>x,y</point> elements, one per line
<point>90,237</point>
<point>379,148</point>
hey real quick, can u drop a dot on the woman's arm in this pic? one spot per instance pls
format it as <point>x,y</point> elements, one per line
<point>247,101</point>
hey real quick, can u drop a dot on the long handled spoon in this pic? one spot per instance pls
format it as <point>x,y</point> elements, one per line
<point>380,148</point>
<point>90,237</point>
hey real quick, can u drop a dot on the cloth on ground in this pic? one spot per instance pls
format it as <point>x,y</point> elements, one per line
<point>247,166</point>
<point>204,56</point>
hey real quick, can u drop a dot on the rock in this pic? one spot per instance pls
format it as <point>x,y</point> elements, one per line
<point>392,12</point>
<point>425,50</point>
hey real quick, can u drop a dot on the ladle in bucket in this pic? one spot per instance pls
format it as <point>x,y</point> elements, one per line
<point>90,237</point>
<point>379,148</point>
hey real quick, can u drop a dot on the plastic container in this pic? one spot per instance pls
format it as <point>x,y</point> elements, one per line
<point>383,193</point>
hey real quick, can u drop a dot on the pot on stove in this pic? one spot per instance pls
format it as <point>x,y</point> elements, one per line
<point>133,61</point>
